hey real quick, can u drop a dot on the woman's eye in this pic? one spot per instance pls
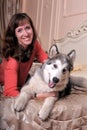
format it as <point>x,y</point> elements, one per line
<point>19,30</point>
<point>28,27</point>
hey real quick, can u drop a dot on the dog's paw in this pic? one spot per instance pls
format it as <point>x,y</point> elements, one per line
<point>19,104</point>
<point>42,115</point>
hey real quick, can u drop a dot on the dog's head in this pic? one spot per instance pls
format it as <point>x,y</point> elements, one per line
<point>56,69</point>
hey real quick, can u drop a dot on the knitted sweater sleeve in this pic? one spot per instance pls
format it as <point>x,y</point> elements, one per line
<point>40,53</point>
<point>10,77</point>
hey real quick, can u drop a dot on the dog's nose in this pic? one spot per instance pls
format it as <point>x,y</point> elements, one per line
<point>55,80</point>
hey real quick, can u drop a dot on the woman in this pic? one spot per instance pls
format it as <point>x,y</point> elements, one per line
<point>20,49</point>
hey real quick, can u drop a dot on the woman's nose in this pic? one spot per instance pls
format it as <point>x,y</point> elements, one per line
<point>25,32</point>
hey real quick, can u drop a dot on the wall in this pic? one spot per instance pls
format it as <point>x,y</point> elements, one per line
<point>53,18</point>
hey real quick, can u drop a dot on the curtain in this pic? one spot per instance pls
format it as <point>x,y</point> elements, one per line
<point>7,9</point>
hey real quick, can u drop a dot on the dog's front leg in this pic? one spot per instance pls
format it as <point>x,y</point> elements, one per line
<point>21,101</point>
<point>25,95</point>
<point>47,107</point>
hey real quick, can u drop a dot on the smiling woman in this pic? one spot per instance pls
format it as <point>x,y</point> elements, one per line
<point>20,49</point>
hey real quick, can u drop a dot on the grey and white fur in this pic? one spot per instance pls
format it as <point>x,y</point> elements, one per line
<point>53,75</point>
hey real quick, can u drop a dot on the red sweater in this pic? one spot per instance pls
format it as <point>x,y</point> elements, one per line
<point>15,73</point>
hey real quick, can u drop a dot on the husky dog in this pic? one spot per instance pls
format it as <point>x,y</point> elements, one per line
<point>52,76</point>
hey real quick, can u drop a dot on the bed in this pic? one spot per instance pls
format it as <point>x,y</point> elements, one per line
<point>69,113</point>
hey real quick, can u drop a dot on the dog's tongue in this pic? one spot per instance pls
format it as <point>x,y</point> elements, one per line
<point>51,84</point>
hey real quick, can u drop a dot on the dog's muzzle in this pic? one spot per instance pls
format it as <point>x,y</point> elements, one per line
<point>54,82</point>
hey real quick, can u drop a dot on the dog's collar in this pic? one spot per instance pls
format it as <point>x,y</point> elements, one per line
<point>46,94</point>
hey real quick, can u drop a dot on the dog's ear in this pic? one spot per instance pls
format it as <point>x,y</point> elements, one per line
<point>72,56</point>
<point>53,50</point>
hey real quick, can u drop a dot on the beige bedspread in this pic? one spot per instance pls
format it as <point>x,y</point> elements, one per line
<point>69,113</point>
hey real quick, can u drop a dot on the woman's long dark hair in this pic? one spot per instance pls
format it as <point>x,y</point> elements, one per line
<point>11,46</point>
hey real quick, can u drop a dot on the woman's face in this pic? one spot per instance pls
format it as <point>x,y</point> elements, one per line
<point>24,34</point>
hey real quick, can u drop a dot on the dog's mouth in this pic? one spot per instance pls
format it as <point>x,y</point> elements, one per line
<point>52,84</point>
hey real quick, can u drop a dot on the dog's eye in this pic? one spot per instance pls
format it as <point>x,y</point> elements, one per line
<point>64,70</point>
<point>55,66</point>
<point>49,62</point>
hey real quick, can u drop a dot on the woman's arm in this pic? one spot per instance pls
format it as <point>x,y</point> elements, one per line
<point>40,53</point>
<point>10,77</point>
